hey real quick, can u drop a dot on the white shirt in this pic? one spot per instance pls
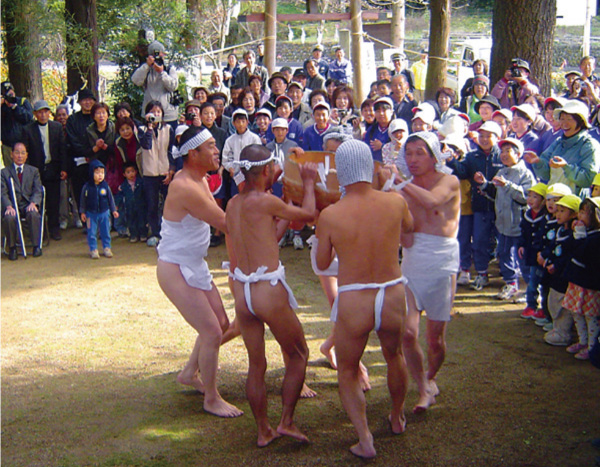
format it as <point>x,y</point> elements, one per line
<point>45,141</point>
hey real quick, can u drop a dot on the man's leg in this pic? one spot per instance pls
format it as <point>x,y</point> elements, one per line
<point>436,351</point>
<point>287,330</point>
<point>53,205</point>
<point>350,342</point>
<point>9,227</point>
<point>253,333</point>
<point>194,306</point>
<point>414,354</point>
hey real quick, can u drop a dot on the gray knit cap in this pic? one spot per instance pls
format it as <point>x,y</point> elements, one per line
<point>354,163</point>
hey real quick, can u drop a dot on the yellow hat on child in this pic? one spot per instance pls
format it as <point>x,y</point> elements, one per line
<point>540,189</point>
<point>596,180</point>
<point>596,201</point>
<point>570,201</point>
<point>557,190</point>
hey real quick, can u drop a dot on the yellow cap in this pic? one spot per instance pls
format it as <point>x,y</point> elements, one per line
<point>540,189</point>
<point>596,201</point>
<point>570,201</point>
<point>557,190</point>
<point>596,180</point>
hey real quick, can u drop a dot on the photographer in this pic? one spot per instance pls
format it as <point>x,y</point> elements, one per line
<point>159,82</point>
<point>515,86</point>
<point>16,113</point>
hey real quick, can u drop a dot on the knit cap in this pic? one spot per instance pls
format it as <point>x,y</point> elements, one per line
<point>354,163</point>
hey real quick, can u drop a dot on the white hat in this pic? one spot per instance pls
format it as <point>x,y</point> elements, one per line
<point>239,112</point>
<point>354,163</point>
<point>397,124</point>
<point>279,123</point>
<point>323,105</point>
<point>492,127</point>
<point>383,100</point>
<point>507,114</point>
<point>527,109</point>
<point>574,107</point>
<point>180,130</point>
<point>515,142</point>
<point>457,140</point>
<point>263,111</point>
<point>454,124</point>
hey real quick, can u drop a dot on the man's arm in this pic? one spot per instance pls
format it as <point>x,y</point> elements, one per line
<point>23,113</point>
<point>36,189</point>
<point>170,80</point>
<point>443,192</point>
<point>324,248</point>
<point>139,76</point>
<point>6,202</point>
<point>202,206</point>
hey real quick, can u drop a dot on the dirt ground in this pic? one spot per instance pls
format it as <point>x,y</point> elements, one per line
<point>91,349</point>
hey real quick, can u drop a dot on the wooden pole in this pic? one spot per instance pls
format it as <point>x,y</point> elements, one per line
<point>398,24</point>
<point>270,35</point>
<point>439,34</point>
<point>356,42</point>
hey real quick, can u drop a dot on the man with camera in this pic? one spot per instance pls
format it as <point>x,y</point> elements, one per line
<point>514,87</point>
<point>160,83</point>
<point>16,113</point>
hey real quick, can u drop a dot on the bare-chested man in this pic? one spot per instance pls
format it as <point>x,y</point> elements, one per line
<point>364,228</point>
<point>259,288</point>
<point>430,259</point>
<point>182,272</point>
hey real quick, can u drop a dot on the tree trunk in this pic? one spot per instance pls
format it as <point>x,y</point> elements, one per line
<point>524,30</point>
<point>22,48</point>
<point>398,24</point>
<point>193,42</point>
<point>439,35</point>
<point>82,45</point>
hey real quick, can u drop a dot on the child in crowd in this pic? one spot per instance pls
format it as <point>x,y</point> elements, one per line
<point>545,241</point>
<point>596,186</point>
<point>313,135</point>
<point>508,188</point>
<point>377,135</point>
<point>398,131</point>
<point>262,120</point>
<point>503,117</point>
<point>531,225</point>
<point>95,207</point>
<point>423,118</point>
<point>233,147</point>
<point>555,260</point>
<point>583,273</point>
<point>283,109</point>
<point>131,202</point>
<point>384,88</point>
<point>280,148</point>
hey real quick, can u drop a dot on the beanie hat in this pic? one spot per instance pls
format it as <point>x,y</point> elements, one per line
<point>354,163</point>
<point>155,47</point>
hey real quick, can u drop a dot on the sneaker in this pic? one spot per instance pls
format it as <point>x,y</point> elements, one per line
<point>554,338</point>
<point>108,253</point>
<point>528,313</point>
<point>143,238</point>
<point>520,298</point>
<point>152,241</point>
<point>542,322</point>
<point>539,314</point>
<point>78,224</point>
<point>480,282</point>
<point>576,348</point>
<point>583,355</point>
<point>548,326</point>
<point>285,239</point>
<point>508,292</point>
<point>94,254</point>
<point>464,278</point>
<point>133,239</point>
<point>298,243</point>
<point>63,225</point>
<point>123,234</point>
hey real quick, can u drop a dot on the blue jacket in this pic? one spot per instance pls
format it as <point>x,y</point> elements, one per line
<point>488,165</point>
<point>531,235</point>
<point>584,268</point>
<point>126,195</point>
<point>313,139</point>
<point>582,153</point>
<point>13,120</point>
<point>295,132</point>
<point>559,254</point>
<point>96,198</point>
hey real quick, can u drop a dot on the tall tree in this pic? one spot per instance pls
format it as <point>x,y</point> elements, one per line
<point>19,19</point>
<point>398,23</point>
<point>524,30</point>
<point>82,45</point>
<point>439,38</point>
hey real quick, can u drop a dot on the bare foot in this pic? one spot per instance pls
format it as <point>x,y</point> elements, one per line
<point>366,451</point>
<point>293,431</point>
<point>329,355</point>
<point>306,392</point>
<point>398,425</point>
<point>424,403</point>
<point>433,388</point>
<point>220,408</point>
<point>265,439</point>
<point>363,377</point>
<point>193,381</point>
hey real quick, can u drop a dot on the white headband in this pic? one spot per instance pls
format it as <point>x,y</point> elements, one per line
<point>247,165</point>
<point>193,143</point>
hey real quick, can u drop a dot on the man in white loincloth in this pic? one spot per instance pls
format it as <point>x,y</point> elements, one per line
<point>430,256</point>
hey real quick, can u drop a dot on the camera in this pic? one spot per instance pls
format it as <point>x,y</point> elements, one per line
<point>514,70</point>
<point>151,118</point>
<point>6,88</point>
<point>10,99</point>
<point>190,116</point>
<point>176,99</point>
<point>158,59</point>
<point>515,67</point>
<point>343,113</point>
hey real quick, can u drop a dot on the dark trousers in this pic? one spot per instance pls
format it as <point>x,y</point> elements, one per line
<point>33,221</point>
<point>52,203</point>
<point>153,189</point>
<point>81,175</point>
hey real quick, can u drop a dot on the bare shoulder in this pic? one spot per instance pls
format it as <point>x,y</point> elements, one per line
<point>451,181</point>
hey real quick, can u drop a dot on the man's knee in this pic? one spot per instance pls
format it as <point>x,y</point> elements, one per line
<point>411,335</point>
<point>435,341</point>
